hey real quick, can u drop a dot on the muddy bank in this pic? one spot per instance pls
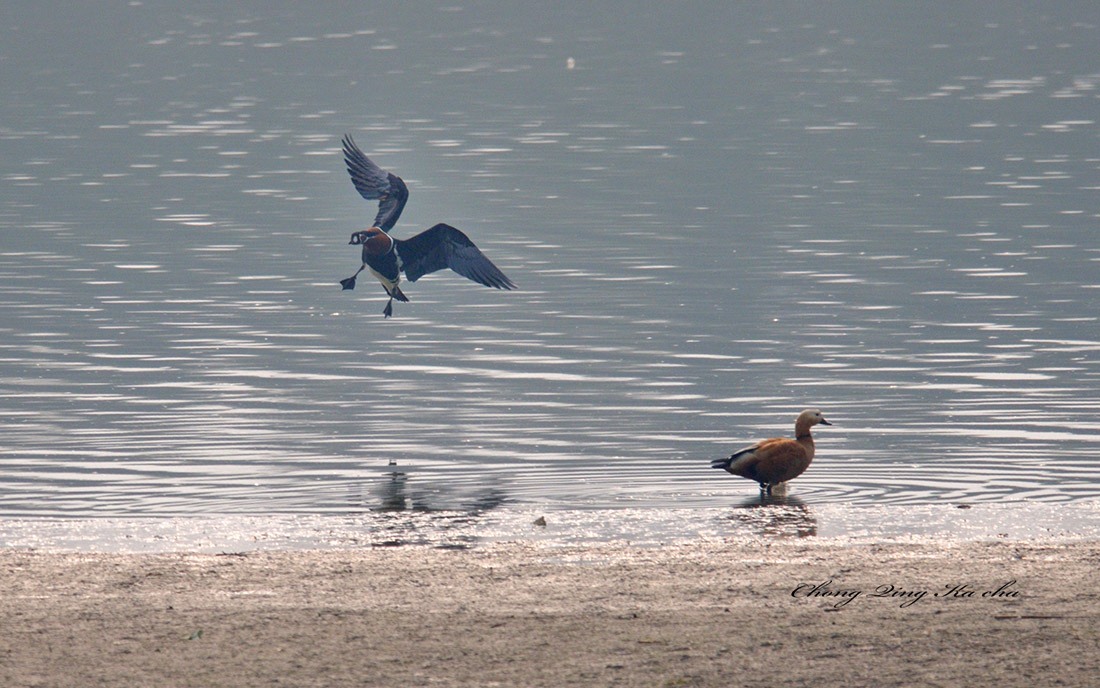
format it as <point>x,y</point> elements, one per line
<point>705,614</point>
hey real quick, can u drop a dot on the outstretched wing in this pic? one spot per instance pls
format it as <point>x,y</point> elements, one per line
<point>443,246</point>
<point>375,184</point>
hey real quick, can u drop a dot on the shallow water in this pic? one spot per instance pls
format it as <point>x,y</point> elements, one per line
<point>715,219</point>
<point>944,525</point>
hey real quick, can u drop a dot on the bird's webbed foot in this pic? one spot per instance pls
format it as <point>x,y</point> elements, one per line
<point>349,283</point>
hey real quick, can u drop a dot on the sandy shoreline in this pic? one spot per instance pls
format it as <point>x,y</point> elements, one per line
<point>700,614</point>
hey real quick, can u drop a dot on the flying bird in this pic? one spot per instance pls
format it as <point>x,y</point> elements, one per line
<point>777,460</point>
<point>386,258</point>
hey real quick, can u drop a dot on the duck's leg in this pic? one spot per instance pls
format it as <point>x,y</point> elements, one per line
<point>765,488</point>
<point>395,293</point>
<point>349,283</point>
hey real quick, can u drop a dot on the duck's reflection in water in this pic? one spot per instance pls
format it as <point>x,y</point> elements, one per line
<point>423,510</point>
<point>775,515</point>
<point>397,491</point>
<point>392,492</point>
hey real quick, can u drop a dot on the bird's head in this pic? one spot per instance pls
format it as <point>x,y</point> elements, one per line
<point>812,417</point>
<point>374,239</point>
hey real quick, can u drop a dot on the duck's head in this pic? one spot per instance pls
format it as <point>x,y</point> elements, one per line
<point>811,417</point>
<point>363,236</point>
<point>374,240</point>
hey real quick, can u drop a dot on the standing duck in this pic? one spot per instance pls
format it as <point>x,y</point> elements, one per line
<point>777,460</point>
<point>440,247</point>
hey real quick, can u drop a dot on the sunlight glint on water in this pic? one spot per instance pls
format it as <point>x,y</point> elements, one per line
<point>711,229</point>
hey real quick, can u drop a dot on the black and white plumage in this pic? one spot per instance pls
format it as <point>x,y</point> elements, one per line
<point>440,247</point>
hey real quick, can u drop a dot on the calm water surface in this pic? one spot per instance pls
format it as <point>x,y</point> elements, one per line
<point>716,218</point>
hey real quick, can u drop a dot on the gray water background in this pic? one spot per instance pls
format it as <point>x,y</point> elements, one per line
<point>717,213</point>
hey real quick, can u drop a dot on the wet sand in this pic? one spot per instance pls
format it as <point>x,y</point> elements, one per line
<point>700,614</point>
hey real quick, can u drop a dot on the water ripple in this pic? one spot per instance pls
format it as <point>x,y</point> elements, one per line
<point>174,339</point>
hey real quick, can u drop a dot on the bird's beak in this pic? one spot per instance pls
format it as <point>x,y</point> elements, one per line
<point>825,422</point>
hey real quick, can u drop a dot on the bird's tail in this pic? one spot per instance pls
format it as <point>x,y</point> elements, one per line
<point>723,464</point>
<point>398,294</point>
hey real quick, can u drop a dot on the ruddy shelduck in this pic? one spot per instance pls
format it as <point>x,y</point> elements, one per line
<point>777,460</point>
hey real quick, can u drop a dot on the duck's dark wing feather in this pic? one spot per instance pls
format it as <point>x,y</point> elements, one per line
<point>443,246</point>
<point>375,184</point>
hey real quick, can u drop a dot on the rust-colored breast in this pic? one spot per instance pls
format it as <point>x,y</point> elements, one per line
<point>378,242</point>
